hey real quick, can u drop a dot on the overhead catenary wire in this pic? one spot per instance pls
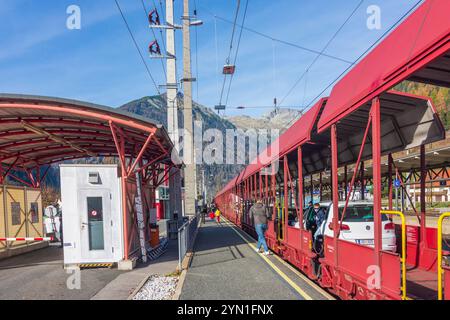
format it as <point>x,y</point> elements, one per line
<point>230,49</point>
<point>358,59</point>
<point>137,46</point>
<point>196,55</point>
<point>285,42</point>
<point>154,35</point>
<point>163,13</point>
<point>322,51</point>
<point>237,52</point>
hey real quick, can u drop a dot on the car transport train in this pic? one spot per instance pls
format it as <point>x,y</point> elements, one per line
<point>345,144</point>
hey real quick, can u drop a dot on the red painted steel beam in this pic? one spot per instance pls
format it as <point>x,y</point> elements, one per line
<point>345,182</point>
<point>377,187</point>
<point>390,182</point>
<point>423,178</point>
<point>141,153</point>
<point>120,150</point>
<point>320,186</point>
<point>21,180</point>
<point>274,193</point>
<point>85,113</point>
<point>335,189</point>
<point>355,172</point>
<point>363,187</point>
<point>286,196</point>
<point>300,193</point>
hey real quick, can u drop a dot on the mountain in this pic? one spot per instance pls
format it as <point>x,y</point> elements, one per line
<point>154,108</point>
<point>276,119</point>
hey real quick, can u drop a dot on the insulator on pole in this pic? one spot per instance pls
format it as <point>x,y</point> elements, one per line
<point>154,48</point>
<point>153,18</point>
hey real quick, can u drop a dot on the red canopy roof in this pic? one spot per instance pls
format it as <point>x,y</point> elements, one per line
<point>37,131</point>
<point>421,40</point>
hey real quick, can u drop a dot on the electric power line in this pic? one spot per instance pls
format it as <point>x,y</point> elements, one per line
<point>231,48</point>
<point>358,59</point>
<point>276,39</point>
<point>196,53</point>
<point>136,45</point>
<point>237,51</point>
<point>160,31</point>
<point>322,51</point>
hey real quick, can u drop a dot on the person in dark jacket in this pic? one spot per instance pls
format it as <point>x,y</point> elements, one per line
<point>260,215</point>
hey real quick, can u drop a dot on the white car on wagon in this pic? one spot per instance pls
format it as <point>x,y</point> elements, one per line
<point>358,226</point>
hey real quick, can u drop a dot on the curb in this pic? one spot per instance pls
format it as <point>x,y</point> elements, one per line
<point>139,287</point>
<point>177,294</point>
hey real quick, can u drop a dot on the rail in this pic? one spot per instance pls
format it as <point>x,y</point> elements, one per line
<point>186,237</point>
<point>403,257</point>
<point>439,254</point>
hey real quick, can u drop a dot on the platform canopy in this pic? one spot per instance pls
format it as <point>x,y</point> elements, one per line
<point>299,133</point>
<point>36,131</point>
<point>417,50</point>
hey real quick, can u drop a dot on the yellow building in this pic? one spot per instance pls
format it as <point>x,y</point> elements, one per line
<point>21,216</point>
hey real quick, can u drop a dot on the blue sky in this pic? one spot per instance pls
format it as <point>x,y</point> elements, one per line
<point>100,64</point>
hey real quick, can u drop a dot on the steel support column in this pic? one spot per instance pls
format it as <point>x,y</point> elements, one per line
<point>362,180</point>
<point>376,159</point>
<point>390,182</point>
<point>423,178</point>
<point>286,196</point>
<point>345,182</point>
<point>335,189</point>
<point>300,193</point>
<point>320,186</point>
<point>273,181</point>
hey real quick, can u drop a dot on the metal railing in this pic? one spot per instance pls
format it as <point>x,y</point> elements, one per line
<point>403,256</point>
<point>439,255</point>
<point>186,238</point>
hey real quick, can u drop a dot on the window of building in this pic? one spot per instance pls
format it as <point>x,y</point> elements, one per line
<point>15,213</point>
<point>34,212</point>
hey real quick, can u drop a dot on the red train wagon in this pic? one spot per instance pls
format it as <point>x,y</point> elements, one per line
<point>361,120</point>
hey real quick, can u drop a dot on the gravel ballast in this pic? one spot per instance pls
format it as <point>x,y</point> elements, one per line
<point>157,288</point>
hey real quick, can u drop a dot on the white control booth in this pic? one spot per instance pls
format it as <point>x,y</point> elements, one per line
<point>92,214</point>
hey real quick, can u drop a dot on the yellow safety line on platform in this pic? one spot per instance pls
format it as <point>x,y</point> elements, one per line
<point>273,266</point>
<point>306,279</point>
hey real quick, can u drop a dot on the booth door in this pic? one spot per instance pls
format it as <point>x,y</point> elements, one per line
<point>95,225</point>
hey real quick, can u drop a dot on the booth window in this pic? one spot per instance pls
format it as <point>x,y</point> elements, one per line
<point>95,219</point>
<point>15,213</point>
<point>34,212</point>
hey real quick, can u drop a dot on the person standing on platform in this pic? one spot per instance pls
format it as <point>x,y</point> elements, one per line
<point>260,216</point>
<point>217,214</point>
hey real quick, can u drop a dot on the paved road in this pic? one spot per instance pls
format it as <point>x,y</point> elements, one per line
<point>40,275</point>
<point>225,267</point>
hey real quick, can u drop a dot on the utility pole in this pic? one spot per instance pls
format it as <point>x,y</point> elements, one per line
<point>190,185</point>
<point>172,88</point>
<point>172,111</point>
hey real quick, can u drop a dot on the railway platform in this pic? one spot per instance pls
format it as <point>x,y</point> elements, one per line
<point>225,266</point>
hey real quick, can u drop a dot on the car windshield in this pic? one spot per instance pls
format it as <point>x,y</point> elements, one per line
<point>359,213</point>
